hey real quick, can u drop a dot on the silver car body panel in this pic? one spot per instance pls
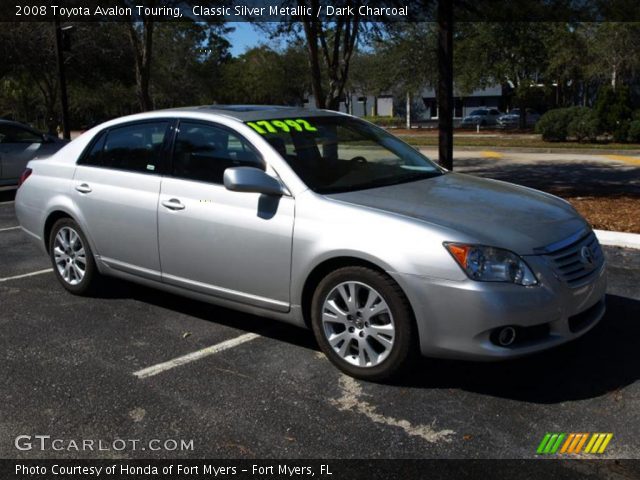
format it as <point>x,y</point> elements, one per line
<point>14,156</point>
<point>254,253</point>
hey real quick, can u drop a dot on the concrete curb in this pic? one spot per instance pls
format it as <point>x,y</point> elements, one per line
<point>618,239</point>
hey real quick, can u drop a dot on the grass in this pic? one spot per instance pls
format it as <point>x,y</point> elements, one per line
<point>509,141</point>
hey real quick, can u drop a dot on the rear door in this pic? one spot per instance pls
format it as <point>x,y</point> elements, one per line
<point>116,186</point>
<point>232,245</point>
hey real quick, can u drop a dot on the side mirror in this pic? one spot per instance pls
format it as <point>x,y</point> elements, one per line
<point>250,179</point>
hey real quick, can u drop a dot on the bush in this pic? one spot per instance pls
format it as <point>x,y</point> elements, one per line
<point>634,131</point>
<point>612,109</point>
<point>621,132</point>
<point>583,124</point>
<point>385,121</point>
<point>553,125</point>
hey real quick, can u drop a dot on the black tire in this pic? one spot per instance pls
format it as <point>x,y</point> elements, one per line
<point>89,281</point>
<point>404,347</point>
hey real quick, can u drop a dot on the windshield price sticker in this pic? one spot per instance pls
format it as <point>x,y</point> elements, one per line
<point>285,125</point>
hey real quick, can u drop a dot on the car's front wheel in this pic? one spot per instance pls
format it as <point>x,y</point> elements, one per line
<point>72,257</point>
<point>363,323</point>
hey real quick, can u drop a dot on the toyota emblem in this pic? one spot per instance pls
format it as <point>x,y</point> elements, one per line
<point>586,255</point>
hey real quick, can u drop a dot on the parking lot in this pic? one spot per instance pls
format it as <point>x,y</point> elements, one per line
<point>77,368</point>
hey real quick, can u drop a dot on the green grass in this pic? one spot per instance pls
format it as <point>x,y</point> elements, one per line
<point>507,142</point>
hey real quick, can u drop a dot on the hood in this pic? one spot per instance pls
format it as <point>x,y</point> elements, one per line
<point>490,212</point>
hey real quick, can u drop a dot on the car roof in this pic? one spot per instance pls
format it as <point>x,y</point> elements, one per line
<point>4,121</point>
<point>18,124</point>
<point>249,113</point>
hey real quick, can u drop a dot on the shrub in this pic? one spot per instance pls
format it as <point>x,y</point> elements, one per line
<point>612,109</point>
<point>386,121</point>
<point>553,125</point>
<point>583,124</point>
<point>634,131</point>
<point>621,132</point>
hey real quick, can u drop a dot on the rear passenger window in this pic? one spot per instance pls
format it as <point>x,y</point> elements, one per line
<point>137,148</point>
<point>203,152</point>
<point>94,155</point>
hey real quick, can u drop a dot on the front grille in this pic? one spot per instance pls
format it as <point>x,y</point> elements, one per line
<point>577,263</point>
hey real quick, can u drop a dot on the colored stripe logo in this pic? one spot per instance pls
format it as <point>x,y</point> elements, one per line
<point>568,443</point>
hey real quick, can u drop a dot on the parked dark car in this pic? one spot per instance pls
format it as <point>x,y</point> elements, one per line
<point>512,119</point>
<point>482,117</point>
<point>20,143</point>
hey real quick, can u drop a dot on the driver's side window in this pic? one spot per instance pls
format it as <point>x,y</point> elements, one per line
<point>203,152</point>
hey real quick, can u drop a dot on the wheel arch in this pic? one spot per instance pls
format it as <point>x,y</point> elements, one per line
<point>52,218</point>
<point>327,266</point>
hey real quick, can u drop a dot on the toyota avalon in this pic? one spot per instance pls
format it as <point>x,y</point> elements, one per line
<point>322,220</point>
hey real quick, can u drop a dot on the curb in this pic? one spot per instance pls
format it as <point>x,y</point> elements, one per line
<point>618,239</point>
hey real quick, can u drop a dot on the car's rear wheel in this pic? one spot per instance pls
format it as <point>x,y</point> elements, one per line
<point>363,323</point>
<point>72,258</point>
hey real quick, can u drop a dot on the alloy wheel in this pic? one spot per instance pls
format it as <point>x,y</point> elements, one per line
<point>358,324</point>
<point>69,255</point>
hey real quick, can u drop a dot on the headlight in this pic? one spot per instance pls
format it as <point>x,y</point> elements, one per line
<point>489,264</point>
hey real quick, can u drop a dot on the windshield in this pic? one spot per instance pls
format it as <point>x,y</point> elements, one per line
<point>477,113</point>
<point>342,154</point>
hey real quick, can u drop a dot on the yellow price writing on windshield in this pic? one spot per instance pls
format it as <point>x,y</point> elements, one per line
<point>285,125</point>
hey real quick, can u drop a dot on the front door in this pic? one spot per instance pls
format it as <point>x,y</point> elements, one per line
<point>231,245</point>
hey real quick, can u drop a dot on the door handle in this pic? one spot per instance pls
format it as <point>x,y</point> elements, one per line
<point>173,204</point>
<point>83,188</point>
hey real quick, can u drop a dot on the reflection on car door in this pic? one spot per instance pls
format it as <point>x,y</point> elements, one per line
<point>229,244</point>
<point>117,186</point>
<point>17,146</point>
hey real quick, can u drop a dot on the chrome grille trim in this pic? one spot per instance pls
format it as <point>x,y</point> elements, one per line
<point>569,265</point>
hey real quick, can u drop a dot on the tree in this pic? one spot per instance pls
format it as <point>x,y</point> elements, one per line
<point>263,75</point>
<point>141,38</point>
<point>614,46</point>
<point>30,63</point>
<point>330,43</point>
<point>189,70</point>
<point>506,53</point>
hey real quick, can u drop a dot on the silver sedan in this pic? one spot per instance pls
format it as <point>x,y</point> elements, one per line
<point>321,220</point>
<point>19,144</point>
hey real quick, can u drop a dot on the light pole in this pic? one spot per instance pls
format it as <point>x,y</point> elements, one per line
<point>445,83</point>
<point>66,133</point>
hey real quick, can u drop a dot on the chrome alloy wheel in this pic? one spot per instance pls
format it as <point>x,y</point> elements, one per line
<point>358,324</point>
<point>69,255</point>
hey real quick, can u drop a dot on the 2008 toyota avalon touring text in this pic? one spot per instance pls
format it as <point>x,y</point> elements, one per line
<point>319,219</point>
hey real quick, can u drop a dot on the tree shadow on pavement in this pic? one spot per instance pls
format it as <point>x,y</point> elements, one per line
<point>601,362</point>
<point>566,179</point>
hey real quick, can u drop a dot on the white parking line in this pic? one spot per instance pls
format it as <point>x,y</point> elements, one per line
<point>9,228</point>
<point>24,275</point>
<point>191,357</point>
<point>7,203</point>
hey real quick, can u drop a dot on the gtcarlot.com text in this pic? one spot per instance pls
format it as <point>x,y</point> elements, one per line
<point>47,443</point>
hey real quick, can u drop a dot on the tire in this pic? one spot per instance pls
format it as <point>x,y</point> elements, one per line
<point>363,323</point>
<point>67,261</point>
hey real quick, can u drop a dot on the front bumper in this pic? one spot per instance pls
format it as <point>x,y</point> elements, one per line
<point>460,319</point>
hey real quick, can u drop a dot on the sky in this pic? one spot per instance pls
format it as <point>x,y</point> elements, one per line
<point>245,36</point>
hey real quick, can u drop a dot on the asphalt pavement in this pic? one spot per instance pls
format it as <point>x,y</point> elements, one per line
<point>69,366</point>
<point>563,173</point>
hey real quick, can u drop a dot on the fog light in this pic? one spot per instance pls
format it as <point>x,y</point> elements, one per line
<point>506,336</point>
